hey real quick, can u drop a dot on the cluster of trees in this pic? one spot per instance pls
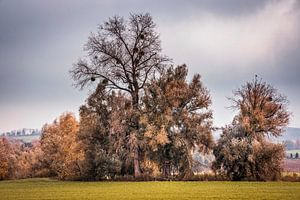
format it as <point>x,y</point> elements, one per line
<point>144,118</point>
<point>149,117</point>
<point>170,127</point>
<point>18,160</point>
<point>174,120</point>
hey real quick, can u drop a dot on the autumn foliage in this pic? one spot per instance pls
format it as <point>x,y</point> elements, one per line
<point>243,152</point>
<point>19,160</point>
<point>145,119</point>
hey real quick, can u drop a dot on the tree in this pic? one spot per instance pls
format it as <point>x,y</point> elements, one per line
<point>241,158</point>
<point>262,110</point>
<point>242,152</point>
<point>16,160</point>
<point>50,146</point>
<point>35,156</point>
<point>61,150</point>
<point>124,55</point>
<point>104,134</point>
<point>4,158</point>
<point>177,119</point>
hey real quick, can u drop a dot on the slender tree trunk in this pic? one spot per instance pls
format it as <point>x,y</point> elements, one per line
<point>136,163</point>
<point>136,157</point>
<point>188,173</point>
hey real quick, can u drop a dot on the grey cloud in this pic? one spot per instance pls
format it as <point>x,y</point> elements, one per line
<point>39,41</point>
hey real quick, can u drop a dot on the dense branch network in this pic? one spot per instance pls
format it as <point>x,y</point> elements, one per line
<point>124,55</point>
<point>262,109</point>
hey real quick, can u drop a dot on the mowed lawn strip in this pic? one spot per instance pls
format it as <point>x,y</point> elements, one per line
<point>51,189</point>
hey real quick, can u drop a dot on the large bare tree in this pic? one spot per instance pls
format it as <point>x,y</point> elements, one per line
<point>123,55</point>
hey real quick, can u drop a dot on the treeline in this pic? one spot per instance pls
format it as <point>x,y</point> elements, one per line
<point>144,119</point>
<point>100,145</point>
<point>175,122</point>
<point>18,160</point>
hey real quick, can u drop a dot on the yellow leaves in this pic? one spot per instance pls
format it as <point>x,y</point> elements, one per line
<point>4,160</point>
<point>168,115</point>
<point>162,136</point>
<point>68,125</point>
<point>59,143</point>
<point>150,167</point>
<point>262,109</point>
<point>144,120</point>
<point>156,137</point>
<point>150,131</point>
<point>246,122</point>
<point>176,92</point>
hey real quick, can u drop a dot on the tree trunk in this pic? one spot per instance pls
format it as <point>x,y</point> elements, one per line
<point>136,157</point>
<point>136,163</point>
<point>188,172</point>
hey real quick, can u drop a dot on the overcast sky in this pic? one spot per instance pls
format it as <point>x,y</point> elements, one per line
<point>227,42</point>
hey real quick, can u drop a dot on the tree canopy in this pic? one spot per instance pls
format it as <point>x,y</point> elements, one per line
<point>243,151</point>
<point>123,55</point>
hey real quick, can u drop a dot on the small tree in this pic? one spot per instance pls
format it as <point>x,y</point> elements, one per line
<point>296,155</point>
<point>242,158</point>
<point>124,55</point>
<point>242,152</point>
<point>60,148</point>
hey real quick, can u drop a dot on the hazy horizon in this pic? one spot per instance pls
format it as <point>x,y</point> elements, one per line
<point>226,42</point>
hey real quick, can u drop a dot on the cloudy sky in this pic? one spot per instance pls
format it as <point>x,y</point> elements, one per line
<point>227,42</point>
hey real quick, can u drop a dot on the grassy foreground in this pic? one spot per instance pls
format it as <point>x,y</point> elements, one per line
<point>51,189</point>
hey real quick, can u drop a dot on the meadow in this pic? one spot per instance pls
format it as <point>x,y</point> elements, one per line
<point>53,189</point>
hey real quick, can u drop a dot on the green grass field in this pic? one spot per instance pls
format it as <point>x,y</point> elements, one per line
<point>51,189</point>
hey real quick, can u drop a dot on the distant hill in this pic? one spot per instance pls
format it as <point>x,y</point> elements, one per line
<point>291,134</point>
<point>21,132</point>
<point>291,138</point>
<point>25,134</point>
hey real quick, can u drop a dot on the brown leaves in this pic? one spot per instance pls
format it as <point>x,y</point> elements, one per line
<point>17,160</point>
<point>60,147</point>
<point>4,158</point>
<point>156,136</point>
<point>177,118</point>
<point>262,110</point>
<point>242,152</point>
